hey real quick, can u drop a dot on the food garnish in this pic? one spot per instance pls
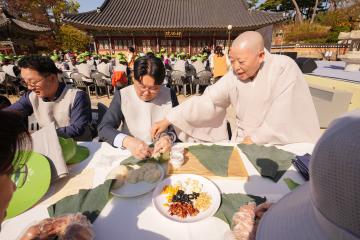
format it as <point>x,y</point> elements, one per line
<point>186,198</point>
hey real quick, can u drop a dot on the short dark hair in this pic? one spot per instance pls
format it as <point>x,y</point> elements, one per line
<point>42,64</point>
<point>151,66</point>
<point>150,54</point>
<point>15,137</point>
<point>218,51</point>
<point>131,49</point>
<point>104,60</point>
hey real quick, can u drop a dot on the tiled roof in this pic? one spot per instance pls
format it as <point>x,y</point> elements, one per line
<point>30,27</point>
<point>173,14</point>
<point>6,18</point>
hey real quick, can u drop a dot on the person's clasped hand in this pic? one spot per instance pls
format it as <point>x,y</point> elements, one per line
<point>246,220</point>
<point>67,227</point>
<point>158,128</point>
<point>138,148</point>
<point>162,145</point>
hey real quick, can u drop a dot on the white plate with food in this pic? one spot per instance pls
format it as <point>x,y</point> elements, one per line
<point>135,180</point>
<point>186,198</point>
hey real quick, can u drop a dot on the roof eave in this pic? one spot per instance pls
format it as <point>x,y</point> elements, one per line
<point>89,27</point>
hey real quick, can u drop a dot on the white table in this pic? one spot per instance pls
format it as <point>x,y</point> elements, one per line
<point>136,218</point>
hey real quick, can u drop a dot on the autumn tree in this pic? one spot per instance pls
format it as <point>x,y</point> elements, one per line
<point>72,38</point>
<point>43,12</point>
<point>47,12</point>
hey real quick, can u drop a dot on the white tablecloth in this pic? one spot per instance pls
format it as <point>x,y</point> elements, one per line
<point>136,218</point>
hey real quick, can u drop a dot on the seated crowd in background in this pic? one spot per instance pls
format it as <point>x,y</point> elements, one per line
<point>116,69</point>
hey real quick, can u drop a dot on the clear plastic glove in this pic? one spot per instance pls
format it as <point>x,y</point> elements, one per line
<point>162,145</point>
<point>139,149</point>
<point>158,128</point>
<point>78,229</point>
<point>67,227</point>
<point>246,220</point>
<point>261,209</point>
<point>244,223</point>
<point>45,229</point>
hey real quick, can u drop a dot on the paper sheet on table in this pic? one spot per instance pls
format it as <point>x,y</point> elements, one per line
<point>46,142</point>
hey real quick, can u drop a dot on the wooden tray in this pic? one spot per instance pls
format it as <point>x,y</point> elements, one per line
<point>236,168</point>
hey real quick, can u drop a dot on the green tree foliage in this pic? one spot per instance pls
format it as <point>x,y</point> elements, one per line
<point>334,33</point>
<point>73,39</point>
<point>252,3</point>
<point>287,5</point>
<point>306,7</point>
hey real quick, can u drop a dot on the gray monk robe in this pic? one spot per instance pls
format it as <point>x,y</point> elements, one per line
<point>276,107</point>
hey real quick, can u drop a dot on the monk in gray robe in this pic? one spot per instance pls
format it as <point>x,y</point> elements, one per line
<point>268,92</point>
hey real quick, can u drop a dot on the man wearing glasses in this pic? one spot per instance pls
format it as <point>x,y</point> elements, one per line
<point>133,110</point>
<point>52,101</point>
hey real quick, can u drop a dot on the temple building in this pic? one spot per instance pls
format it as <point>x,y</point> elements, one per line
<point>176,25</point>
<point>17,36</point>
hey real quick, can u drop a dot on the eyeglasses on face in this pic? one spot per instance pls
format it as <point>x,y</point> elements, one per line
<point>19,176</point>
<point>33,84</point>
<point>36,82</point>
<point>153,89</point>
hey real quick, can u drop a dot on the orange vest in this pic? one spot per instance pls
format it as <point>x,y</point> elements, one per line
<point>119,76</point>
<point>220,66</point>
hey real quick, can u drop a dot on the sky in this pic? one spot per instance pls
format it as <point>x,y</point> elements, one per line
<point>87,5</point>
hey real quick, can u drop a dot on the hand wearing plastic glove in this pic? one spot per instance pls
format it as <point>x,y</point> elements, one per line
<point>139,149</point>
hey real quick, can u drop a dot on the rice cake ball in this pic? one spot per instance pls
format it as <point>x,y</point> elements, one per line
<point>119,174</point>
<point>132,176</point>
<point>149,166</point>
<point>136,176</point>
<point>152,175</point>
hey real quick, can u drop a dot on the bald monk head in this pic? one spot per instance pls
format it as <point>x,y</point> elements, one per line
<point>247,54</point>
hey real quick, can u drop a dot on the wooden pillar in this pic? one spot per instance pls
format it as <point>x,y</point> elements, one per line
<point>110,44</point>
<point>95,48</point>
<point>189,45</point>
<point>157,45</point>
<point>213,41</point>
<point>12,47</point>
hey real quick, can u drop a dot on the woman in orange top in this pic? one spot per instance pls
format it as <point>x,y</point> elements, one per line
<point>131,57</point>
<point>220,65</point>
